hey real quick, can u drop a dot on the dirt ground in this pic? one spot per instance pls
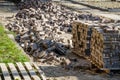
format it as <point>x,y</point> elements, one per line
<point>7,11</point>
<point>56,71</point>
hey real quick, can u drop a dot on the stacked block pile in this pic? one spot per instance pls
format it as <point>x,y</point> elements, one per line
<point>91,42</point>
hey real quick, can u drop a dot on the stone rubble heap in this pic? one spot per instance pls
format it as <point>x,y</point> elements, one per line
<point>32,4</point>
<point>44,28</point>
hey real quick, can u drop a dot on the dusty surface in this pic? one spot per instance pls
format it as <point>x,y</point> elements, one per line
<point>57,72</point>
<point>7,10</point>
<point>81,8</point>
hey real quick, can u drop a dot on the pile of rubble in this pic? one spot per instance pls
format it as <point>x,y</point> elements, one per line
<point>37,31</point>
<point>26,4</point>
<point>43,29</point>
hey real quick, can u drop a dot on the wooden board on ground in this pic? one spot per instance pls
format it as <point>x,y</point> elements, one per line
<point>5,71</point>
<point>31,71</point>
<point>14,71</point>
<point>41,73</point>
<point>21,71</point>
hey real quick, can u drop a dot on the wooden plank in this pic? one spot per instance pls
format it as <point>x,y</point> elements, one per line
<point>23,71</point>
<point>14,71</point>
<point>5,71</point>
<point>31,71</point>
<point>42,75</point>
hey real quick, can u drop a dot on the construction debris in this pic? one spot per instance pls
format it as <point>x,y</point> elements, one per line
<point>43,33</point>
<point>43,29</point>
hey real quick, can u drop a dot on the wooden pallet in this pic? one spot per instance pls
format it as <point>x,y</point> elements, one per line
<point>21,71</point>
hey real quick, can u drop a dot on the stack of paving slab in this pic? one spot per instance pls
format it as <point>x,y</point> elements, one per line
<point>99,43</point>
